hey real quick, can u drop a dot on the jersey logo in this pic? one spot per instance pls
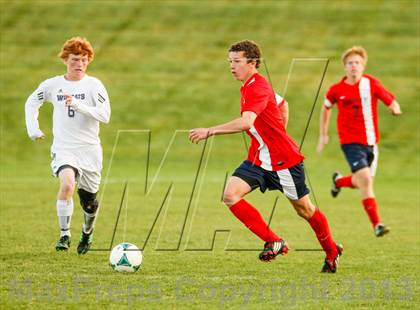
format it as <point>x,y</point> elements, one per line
<point>101,99</point>
<point>75,96</point>
<point>342,97</point>
<point>252,81</point>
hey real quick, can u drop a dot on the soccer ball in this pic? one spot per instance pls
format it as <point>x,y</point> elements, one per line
<point>125,257</point>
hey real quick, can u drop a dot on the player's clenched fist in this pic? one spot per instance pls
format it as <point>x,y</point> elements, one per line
<point>69,100</point>
<point>198,134</point>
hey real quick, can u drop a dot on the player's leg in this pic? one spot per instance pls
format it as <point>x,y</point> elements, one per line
<point>380,229</point>
<point>320,226</point>
<point>354,155</point>
<point>339,181</point>
<point>246,178</point>
<point>67,178</point>
<point>292,184</point>
<point>235,190</point>
<point>87,191</point>
<point>364,179</point>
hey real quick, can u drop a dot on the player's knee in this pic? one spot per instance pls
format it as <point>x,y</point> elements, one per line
<point>304,210</point>
<point>230,198</point>
<point>365,180</point>
<point>67,188</point>
<point>88,201</point>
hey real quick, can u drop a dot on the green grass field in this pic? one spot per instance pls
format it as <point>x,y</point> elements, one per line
<point>165,68</point>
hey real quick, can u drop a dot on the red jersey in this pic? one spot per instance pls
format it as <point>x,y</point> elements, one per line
<point>271,148</point>
<point>357,120</point>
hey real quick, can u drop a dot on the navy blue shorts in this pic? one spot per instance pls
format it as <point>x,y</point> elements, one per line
<point>358,156</point>
<point>289,181</point>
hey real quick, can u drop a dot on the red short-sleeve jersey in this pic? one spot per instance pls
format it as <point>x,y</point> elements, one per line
<point>357,120</point>
<point>271,148</point>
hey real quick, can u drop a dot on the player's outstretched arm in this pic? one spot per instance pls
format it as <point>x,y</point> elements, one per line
<point>32,105</point>
<point>323,128</point>
<point>395,108</point>
<point>245,122</point>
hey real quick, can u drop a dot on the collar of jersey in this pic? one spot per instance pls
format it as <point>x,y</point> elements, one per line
<point>249,80</point>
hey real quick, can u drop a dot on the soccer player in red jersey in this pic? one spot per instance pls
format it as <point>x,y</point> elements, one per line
<point>356,97</point>
<point>274,161</point>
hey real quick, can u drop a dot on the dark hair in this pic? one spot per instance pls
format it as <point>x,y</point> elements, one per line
<point>250,48</point>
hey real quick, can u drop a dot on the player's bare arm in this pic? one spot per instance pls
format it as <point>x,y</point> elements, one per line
<point>245,122</point>
<point>395,108</point>
<point>284,111</point>
<point>323,129</point>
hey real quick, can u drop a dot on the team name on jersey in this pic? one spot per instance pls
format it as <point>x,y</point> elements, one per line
<point>75,96</point>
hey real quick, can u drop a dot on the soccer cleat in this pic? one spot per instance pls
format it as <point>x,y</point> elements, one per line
<point>380,230</point>
<point>63,244</point>
<point>84,243</point>
<point>272,249</point>
<point>334,189</point>
<point>331,266</point>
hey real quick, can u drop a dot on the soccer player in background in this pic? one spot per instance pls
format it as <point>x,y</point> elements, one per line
<point>80,103</point>
<point>356,97</point>
<point>274,161</point>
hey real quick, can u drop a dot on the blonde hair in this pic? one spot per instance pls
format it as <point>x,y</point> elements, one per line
<point>355,50</point>
<point>76,46</point>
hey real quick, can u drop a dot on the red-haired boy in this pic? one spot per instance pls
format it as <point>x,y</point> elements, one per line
<point>80,102</point>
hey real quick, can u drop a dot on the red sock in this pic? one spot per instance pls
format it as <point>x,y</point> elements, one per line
<point>344,182</point>
<point>372,210</point>
<point>252,219</point>
<point>319,224</point>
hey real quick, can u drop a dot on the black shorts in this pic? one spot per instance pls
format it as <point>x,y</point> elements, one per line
<point>289,181</point>
<point>359,156</point>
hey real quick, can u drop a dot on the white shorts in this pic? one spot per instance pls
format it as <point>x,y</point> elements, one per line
<point>86,160</point>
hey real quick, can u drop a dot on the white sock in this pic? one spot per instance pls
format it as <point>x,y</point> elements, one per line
<point>64,213</point>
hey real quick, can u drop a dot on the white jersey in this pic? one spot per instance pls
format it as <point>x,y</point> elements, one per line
<point>72,127</point>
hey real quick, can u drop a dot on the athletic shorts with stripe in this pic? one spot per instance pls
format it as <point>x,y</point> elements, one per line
<point>360,156</point>
<point>289,181</point>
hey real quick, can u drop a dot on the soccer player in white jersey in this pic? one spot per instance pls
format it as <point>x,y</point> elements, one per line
<point>356,96</point>
<point>80,103</point>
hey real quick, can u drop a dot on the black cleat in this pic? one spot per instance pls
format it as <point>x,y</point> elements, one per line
<point>63,244</point>
<point>334,189</point>
<point>331,266</point>
<point>272,249</point>
<point>84,243</point>
<point>380,230</point>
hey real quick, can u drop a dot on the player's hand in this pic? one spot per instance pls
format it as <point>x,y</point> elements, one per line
<point>395,108</point>
<point>69,100</point>
<point>323,140</point>
<point>198,134</point>
<point>37,136</point>
<point>70,103</point>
